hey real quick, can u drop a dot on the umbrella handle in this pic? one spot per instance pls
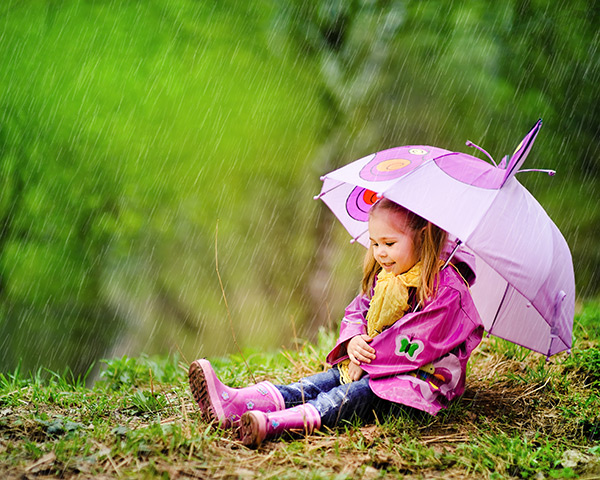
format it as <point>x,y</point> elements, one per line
<point>458,244</point>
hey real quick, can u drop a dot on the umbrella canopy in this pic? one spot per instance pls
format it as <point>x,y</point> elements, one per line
<point>525,289</point>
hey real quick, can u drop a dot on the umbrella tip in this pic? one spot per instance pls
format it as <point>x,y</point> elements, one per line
<point>322,178</point>
<point>316,197</point>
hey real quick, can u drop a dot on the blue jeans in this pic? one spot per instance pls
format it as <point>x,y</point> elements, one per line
<point>335,401</point>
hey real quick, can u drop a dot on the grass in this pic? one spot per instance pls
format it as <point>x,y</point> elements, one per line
<point>521,417</point>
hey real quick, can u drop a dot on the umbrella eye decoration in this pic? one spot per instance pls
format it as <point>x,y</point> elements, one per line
<point>383,169</point>
<point>382,166</point>
<point>525,287</point>
<point>359,203</point>
<point>392,163</point>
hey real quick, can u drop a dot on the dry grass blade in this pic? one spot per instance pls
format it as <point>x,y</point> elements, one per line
<point>452,438</point>
<point>532,391</point>
<point>42,464</point>
<point>233,335</point>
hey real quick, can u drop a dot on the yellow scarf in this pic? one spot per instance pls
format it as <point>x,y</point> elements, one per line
<point>389,304</point>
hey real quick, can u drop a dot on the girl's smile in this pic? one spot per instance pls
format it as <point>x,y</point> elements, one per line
<point>392,241</point>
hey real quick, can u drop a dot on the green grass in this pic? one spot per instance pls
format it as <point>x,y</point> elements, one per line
<point>521,417</point>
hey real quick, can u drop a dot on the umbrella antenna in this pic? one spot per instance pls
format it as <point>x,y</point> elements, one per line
<point>471,144</point>
<point>549,172</point>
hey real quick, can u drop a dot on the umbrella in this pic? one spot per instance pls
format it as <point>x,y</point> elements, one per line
<point>525,288</point>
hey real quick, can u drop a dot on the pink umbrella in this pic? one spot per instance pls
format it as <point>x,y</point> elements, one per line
<point>525,289</point>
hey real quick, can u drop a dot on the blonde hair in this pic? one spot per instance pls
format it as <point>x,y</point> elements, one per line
<point>428,239</point>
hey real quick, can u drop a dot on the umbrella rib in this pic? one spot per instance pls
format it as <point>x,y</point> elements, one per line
<point>354,239</point>
<point>317,197</point>
<point>499,307</point>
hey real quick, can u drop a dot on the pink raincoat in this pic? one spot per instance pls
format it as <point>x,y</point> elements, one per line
<point>444,332</point>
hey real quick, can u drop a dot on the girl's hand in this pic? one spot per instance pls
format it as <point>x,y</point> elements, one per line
<point>359,350</point>
<point>355,372</point>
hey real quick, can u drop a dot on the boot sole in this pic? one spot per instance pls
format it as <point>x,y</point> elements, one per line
<point>253,430</point>
<point>201,388</point>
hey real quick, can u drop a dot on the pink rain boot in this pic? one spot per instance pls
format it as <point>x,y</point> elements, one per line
<point>259,426</point>
<point>226,405</point>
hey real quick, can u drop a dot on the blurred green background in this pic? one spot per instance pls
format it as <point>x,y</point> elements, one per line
<point>143,141</point>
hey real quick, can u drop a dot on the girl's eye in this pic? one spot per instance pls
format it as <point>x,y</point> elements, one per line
<point>389,244</point>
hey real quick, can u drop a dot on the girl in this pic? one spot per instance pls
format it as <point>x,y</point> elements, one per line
<point>404,342</point>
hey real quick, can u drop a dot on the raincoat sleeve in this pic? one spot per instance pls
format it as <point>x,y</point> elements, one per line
<point>419,338</point>
<point>354,323</point>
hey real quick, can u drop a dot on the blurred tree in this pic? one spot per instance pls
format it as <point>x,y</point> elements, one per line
<point>53,245</point>
<point>350,43</point>
<point>140,127</point>
<point>550,57</point>
<point>128,132</point>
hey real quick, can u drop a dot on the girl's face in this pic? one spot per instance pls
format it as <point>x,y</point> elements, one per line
<point>393,241</point>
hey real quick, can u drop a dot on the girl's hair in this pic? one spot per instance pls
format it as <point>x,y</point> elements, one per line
<point>429,240</point>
